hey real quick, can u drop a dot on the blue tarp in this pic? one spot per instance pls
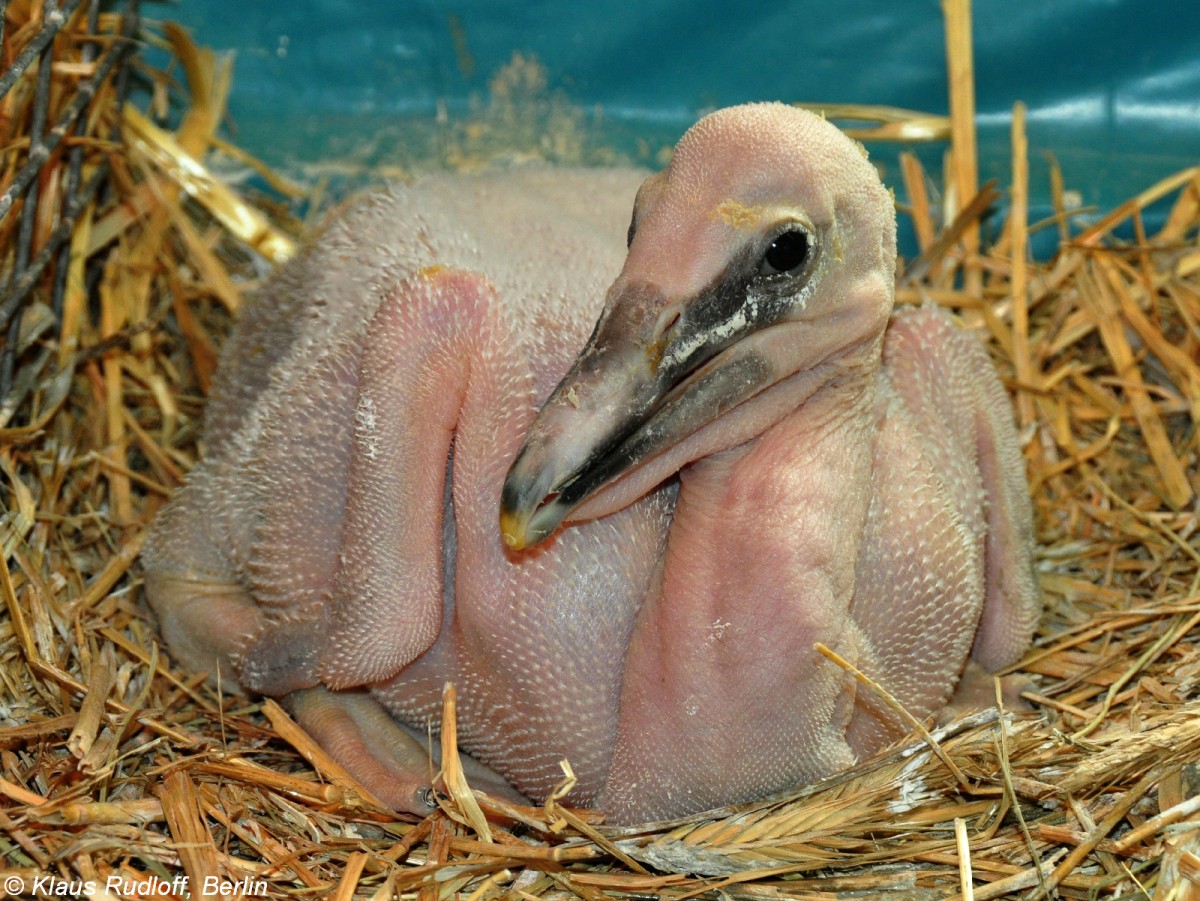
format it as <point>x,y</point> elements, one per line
<point>1113,86</point>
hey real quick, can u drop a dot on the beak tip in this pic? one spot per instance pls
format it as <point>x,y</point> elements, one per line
<point>513,530</point>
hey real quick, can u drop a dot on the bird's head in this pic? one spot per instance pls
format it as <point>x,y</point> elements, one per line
<point>760,268</point>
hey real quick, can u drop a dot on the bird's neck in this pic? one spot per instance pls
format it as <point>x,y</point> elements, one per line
<point>760,566</point>
<point>768,527</point>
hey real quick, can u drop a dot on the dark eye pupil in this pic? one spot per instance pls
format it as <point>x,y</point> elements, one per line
<point>787,251</point>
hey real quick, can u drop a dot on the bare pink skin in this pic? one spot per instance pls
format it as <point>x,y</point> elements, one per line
<point>861,486</point>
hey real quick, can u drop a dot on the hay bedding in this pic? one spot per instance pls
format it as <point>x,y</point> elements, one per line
<point>116,765</point>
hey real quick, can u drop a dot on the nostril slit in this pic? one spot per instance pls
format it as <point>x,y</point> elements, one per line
<point>669,324</point>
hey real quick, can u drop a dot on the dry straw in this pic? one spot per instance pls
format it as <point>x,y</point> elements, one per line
<point>116,764</point>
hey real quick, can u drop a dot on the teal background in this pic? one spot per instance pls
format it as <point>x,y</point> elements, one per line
<point>1113,87</point>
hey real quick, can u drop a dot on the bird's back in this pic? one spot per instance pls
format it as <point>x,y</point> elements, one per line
<point>550,240</point>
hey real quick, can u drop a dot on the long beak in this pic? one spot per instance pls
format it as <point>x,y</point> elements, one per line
<point>638,388</point>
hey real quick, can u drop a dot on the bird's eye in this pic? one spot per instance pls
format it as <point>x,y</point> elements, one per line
<point>787,253</point>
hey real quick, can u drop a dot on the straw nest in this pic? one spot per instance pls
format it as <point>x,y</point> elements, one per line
<point>115,764</point>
